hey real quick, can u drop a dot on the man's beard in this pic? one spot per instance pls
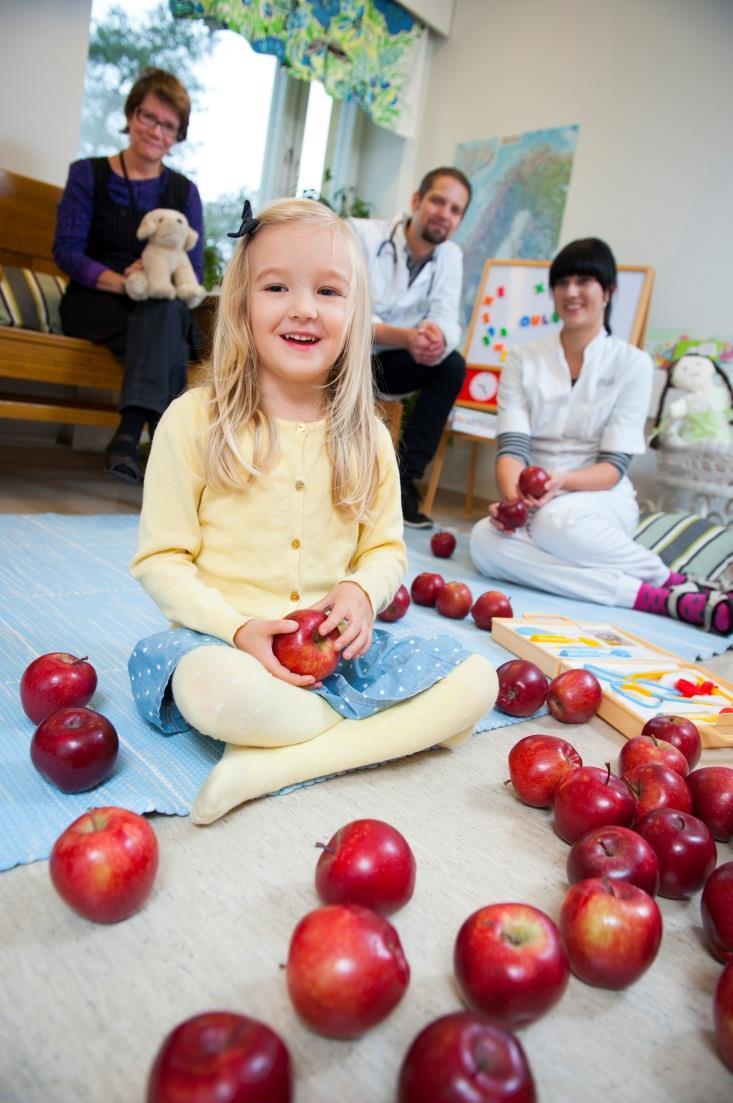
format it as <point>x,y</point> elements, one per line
<point>434,235</point>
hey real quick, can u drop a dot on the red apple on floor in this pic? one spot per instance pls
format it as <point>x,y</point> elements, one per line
<point>443,544</point>
<point>616,853</point>
<point>306,651</point>
<point>522,688</point>
<point>397,607</point>
<point>346,969</point>
<point>680,732</point>
<point>489,605</point>
<point>654,786</point>
<point>103,865</point>
<point>510,964</point>
<point>716,906</point>
<point>589,797</point>
<point>221,1057</point>
<point>712,799</point>
<point>75,749</point>
<point>366,862</point>
<point>537,764</point>
<point>533,481</point>
<point>644,749</point>
<point>512,513</point>
<point>426,587</point>
<point>54,680</point>
<point>574,696</point>
<point>723,1014</point>
<point>685,848</point>
<point>461,1058</point>
<point>612,931</point>
<point>454,600</point>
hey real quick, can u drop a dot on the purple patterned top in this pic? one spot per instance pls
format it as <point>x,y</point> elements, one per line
<point>74,218</point>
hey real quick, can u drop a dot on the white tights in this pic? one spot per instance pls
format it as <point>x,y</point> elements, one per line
<point>280,735</point>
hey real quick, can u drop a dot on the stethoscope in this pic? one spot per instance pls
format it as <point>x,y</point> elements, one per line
<point>423,304</point>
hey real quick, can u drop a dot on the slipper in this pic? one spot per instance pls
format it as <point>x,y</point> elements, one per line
<point>711,610</point>
<point>123,464</point>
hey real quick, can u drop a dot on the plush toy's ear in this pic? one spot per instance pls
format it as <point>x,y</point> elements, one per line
<point>147,226</point>
<point>191,239</point>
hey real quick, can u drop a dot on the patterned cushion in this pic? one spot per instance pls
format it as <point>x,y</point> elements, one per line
<point>688,543</point>
<point>30,300</point>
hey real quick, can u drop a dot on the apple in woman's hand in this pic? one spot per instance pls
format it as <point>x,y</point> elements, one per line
<point>75,749</point>
<point>512,513</point>
<point>443,544</point>
<point>397,607</point>
<point>306,651</point>
<point>366,862</point>
<point>54,680</point>
<point>346,969</point>
<point>221,1057</point>
<point>537,765</point>
<point>103,865</point>
<point>533,481</point>
<point>612,931</point>
<point>491,604</point>
<point>461,1056</point>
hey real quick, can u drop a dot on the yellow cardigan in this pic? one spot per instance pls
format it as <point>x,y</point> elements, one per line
<point>212,560</point>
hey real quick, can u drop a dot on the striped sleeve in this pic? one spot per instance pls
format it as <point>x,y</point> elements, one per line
<point>514,444</point>
<point>619,460</point>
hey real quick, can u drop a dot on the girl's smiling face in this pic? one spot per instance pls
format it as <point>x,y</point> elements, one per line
<point>299,308</point>
<point>580,302</point>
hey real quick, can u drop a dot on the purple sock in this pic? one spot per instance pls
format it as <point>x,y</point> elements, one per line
<point>652,599</point>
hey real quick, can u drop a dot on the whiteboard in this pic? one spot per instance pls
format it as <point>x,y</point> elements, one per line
<point>514,307</point>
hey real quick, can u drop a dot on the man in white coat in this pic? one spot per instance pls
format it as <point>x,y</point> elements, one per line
<point>416,276</point>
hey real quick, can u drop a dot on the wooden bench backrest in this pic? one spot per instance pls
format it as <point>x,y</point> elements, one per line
<point>27,221</point>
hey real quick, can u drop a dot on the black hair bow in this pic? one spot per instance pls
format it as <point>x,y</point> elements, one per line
<point>249,222</point>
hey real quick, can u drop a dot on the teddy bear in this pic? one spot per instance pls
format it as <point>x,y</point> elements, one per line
<point>702,415</point>
<point>167,271</point>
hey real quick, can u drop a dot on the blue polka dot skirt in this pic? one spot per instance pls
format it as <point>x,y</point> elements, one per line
<point>391,671</point>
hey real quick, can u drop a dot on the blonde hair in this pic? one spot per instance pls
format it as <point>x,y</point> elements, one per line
<point>351,422</point>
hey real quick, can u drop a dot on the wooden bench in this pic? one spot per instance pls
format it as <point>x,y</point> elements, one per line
<point>27,226</point>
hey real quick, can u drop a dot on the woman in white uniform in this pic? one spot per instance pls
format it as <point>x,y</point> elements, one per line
<point>576,403</point>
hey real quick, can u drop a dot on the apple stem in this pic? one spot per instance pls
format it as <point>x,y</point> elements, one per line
<point>326,847</point>
<point>82,660</point>
<point>608,773</point>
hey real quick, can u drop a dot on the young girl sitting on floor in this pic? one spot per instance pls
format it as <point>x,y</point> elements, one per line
<point>576,403</point>
<point>276,488</point>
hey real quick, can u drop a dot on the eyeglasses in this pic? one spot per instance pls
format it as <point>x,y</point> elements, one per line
<point>150,121</point>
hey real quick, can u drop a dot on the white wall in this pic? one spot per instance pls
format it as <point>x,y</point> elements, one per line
<point>43,52</point>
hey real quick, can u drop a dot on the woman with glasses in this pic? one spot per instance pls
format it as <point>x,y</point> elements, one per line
<point>103,202</point>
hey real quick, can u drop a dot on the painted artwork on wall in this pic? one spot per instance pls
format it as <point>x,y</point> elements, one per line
<point>520,185</point>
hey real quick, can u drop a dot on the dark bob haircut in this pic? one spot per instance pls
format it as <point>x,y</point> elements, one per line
<point>446,170</point>
<point>589,256</point>
<point>168,89</point>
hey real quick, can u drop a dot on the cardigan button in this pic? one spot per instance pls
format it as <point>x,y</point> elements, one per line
<point>295,596</point>
<point>295,544</point>
<point>300,485</point>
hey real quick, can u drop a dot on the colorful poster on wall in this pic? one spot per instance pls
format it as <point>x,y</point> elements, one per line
<point>520,185</point>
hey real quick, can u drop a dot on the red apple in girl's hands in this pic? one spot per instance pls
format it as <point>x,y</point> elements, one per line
<point>680,732</point>
<point>306,651</point>
<point>510,964</point>
<point>654,786</point>
<point>221,1057</point>
<point>537,765</point>
<point>426,587</point>
<point>397,607</point>
<point>533,481</point>
<point>716,907</point>
<point>685,848</point>
<point>616,853</point>
<point>454,600</point>
<point>611,930</point>
<point>574,696</point>
<point>588,798</point>
<point>103,865</point>
<point>522,688</point>
<point>645,749</point>
<point>512,513</point>
<point>54,680</point>
<point>723,1013</point>
<point>489,605</point>
<point>463,1057</point>
<point>712,798</point>
<point>366,862</point>
<point>75,749</point>
<point>346,969</point>
<point>443,544</point>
